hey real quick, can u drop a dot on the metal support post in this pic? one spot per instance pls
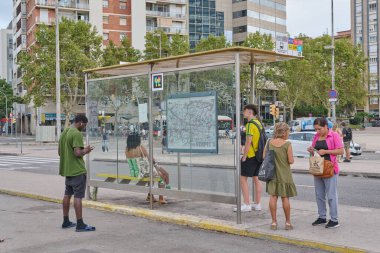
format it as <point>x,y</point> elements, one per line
<point>253,83</point>
<point>332,61</point>
<point>57,72</point>
<point>150,118</point>
<point>238,137</point>
<point>88,194</point>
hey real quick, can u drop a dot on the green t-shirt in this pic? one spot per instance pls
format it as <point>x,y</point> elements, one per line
<point>69,164</point>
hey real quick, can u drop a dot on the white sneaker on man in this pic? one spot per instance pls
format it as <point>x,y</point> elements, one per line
<point>256,207</point>
<point>244,208</point>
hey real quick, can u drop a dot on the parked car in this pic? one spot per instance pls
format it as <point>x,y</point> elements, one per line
<point>302,140</point>
<point>269,131</point>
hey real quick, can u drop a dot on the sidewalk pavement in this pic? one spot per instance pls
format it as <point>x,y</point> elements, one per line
<point>358,231</point>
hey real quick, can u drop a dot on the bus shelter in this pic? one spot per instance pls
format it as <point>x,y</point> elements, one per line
<point>186,111</point>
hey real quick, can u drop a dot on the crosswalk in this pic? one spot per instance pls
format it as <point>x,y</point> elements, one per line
<point>26,162</point>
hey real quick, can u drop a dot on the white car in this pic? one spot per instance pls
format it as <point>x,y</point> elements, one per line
<point>302,140</point>
<point>269,131</point>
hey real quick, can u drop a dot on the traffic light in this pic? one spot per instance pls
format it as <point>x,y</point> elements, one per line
<point>273,110</point>
<point>277,113</point>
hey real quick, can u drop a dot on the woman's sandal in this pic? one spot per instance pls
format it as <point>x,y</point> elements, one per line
<point>148,198</point>
<point>288,226</point>
<point>273,226</point>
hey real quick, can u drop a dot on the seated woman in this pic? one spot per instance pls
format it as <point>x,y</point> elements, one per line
<point>136,151</point>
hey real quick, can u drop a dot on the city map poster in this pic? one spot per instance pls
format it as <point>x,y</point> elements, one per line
<point>192,123</point>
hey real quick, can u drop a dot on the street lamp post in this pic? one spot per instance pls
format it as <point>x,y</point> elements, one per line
<point>57,72</point>
<point>6,109</point>
<point>333,112</point>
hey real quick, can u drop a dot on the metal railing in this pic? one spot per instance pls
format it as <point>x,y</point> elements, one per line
<point>74,5</point>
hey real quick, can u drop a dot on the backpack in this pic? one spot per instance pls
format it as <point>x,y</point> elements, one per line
<point>262,141</point>
<point>348,136</point>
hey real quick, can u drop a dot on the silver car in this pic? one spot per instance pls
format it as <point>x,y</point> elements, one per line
<point>302,140</point>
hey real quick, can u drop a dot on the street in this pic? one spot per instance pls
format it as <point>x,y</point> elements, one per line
<point>351,189</point>
<point>31,226</point>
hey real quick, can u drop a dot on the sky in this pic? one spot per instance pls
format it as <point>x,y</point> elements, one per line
<point>311,17</point>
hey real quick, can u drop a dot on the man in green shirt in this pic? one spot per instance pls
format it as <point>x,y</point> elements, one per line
<point>71,165</point>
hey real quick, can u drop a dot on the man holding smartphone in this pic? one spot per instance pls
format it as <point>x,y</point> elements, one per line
<point>71,166</point>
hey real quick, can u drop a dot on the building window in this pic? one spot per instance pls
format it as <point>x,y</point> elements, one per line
<point>105,36</point>
<point>123,20</point>
<point>122,36</point>
<point>240,29</point>
<point>239,14</point>
<point>374,100</point>
<point>123,6</point>
<point>372,7</point>
<point>105,19</point>
<point>105,3</point>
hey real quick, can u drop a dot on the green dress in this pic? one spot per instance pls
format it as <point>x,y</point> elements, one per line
<point>282,184</point>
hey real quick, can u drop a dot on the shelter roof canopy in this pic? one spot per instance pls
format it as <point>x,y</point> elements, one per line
<point>200,59</point>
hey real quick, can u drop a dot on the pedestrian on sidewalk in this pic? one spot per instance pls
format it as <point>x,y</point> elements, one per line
<point>328,145</point>
<point>105,141</point>
<point>71,165</point>
<point>347,138</point>
<point>282,185</point>
<point>135,151</point>
<point>336,129</point>
<point>249,164</point>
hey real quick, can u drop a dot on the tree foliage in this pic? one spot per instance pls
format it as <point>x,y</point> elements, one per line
<point>80,48</point>
<point>113,54</point>
<point>212,42</point>
<point>158,40</point>
<point>308,81</point>
<point>6,90</point>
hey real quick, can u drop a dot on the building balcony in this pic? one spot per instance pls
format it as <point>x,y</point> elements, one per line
<point>168,30</point>
<point>68,5</point>
<point>49,21</point>
<point>155,13</point>
<point>168,1</point>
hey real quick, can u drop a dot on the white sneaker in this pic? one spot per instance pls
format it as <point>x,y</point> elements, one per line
<point>256,207</point>
<point>244,208</point>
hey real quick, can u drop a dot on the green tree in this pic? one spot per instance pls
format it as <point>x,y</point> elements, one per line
<point>259,41</point>
<point>212,42</point>
<point>156,43</point>
<point>179,45</point>
<point>263,72</point>
<point>6,90</point>
<point>80,48</point>
<point>113,54</point>
<point>349,73</point>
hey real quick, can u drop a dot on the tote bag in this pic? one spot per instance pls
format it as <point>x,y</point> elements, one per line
<point>316,164</point>
<point>267,169</point>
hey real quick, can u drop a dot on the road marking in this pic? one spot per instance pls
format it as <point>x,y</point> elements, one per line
<point>307,186</point>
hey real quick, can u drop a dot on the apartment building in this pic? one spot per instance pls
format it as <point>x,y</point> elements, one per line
<point>209,17</point>
<point>365,32</point>
<point>117,20</point>
<point>264,16</point>
<point>6,53</point>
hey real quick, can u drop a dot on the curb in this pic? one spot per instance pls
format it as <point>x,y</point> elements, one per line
<point>194,222</point>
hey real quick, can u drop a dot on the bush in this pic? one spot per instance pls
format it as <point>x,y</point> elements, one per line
<point>355,121</point>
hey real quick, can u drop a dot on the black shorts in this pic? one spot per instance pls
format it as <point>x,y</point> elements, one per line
<point>76,186</point>
<point>250,168</point>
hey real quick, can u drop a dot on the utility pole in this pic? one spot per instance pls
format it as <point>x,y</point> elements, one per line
<point>57,72</point>
<point>333,112</point>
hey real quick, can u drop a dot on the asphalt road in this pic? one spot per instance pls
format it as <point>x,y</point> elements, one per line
<point>32,226</point>
<point>353,191</point>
